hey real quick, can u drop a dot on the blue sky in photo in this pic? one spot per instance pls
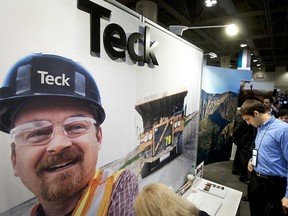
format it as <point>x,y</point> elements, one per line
<point>218,80</point>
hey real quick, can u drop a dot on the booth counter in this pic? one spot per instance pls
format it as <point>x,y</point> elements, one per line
<point>214,198</point>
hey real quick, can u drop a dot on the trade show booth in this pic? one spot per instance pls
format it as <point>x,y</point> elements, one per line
<point>149,80</point>
<point>166,111</point>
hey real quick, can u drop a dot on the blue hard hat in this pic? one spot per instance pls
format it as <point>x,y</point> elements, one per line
<point>44,75</point>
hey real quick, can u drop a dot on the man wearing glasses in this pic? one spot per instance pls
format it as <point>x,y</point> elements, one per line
<point>52,109</point>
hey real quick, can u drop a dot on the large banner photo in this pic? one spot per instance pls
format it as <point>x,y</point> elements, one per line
<point>148,83</point>
<point>219,100</point>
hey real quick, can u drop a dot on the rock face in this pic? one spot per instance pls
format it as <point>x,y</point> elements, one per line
<point>217,113</point>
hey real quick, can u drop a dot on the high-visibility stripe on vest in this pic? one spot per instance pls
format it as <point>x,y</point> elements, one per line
<point>96,198</point>
<point>101,185</point>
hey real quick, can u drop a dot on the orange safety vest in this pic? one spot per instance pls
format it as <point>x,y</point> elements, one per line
<point>96,199</point>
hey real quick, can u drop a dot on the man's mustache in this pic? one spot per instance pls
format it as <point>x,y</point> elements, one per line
<point>64,158</point>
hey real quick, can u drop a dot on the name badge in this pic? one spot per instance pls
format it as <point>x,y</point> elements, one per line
<point>254,157</point>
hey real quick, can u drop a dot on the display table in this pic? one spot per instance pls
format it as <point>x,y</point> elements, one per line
<point>214,198</point>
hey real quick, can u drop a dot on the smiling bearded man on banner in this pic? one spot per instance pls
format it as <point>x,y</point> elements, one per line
<point>51,106</point>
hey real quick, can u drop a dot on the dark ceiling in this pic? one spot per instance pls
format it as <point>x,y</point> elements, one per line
<point>263,26</point>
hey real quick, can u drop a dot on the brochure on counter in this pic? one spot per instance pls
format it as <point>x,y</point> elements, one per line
<point>213,188</point>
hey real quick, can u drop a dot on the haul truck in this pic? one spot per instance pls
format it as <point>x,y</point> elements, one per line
<point>163,123</point>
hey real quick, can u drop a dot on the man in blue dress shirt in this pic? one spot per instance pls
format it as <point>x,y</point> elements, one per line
<point>268,188</point>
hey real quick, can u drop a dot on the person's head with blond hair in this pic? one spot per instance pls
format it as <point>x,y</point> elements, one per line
<point>158,199</point>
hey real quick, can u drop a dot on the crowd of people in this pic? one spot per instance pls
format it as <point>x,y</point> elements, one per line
<point>280,102</point>
<point>277,106</point>
<point>280,105</point>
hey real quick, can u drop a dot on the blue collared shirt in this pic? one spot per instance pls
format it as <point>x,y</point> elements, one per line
<point>272,144</point>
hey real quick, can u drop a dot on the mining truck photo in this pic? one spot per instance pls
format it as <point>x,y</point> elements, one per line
<point>163,124</point>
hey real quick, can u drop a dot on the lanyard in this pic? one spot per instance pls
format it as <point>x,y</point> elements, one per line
<point>265,133</point>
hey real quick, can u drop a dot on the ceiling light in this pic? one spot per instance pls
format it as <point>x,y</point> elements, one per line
<point>231,29</point>
<point>210,3</point>
<point>258,65</point>
<point>211,54</point>
<point>243,45</point>
<point>255,60</point>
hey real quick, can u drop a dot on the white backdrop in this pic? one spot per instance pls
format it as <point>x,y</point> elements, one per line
<point>58,27</point>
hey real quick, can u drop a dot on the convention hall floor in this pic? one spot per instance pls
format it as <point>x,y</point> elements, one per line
<point>218,172</point>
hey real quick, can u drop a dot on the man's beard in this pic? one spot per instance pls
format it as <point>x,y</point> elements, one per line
<point>65,184</point>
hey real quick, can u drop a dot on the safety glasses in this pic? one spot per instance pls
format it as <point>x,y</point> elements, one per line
<point>37,133</point>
